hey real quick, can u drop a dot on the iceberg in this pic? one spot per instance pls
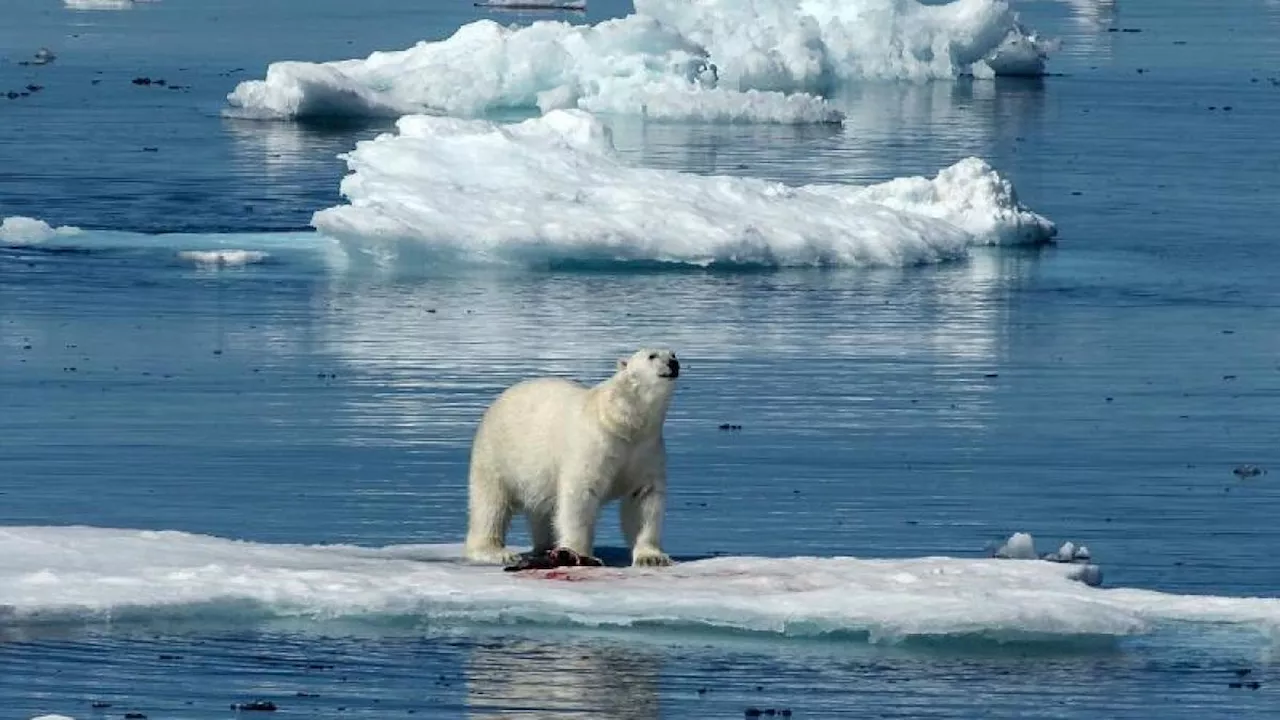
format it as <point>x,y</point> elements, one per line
<point>815,45</point>
<point>551,190</point>
<point>769,61</point>
<point>634,65</point>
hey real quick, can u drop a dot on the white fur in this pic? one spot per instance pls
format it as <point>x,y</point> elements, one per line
<point>557,452</point>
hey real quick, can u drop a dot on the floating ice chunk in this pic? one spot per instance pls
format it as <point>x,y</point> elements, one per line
<point>672,59</point>
<point>1021,54</point>
<point>814,44</point>
<point>534,4</point>
<point>83,575</point>
<point>968,194</point>
<point>53,717</point>
<point>223,258</point>
<point>1019,546</point>
<point>1069,552</point>
<point>1066,553</point>
<point>551,189</point>
<point>21,230</point>
<point>98,4</point>
<point>659,101</point>
<point>633,65</point>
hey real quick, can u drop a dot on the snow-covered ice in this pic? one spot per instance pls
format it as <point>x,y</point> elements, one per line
<point>711,60</point>
<point>551,190</point>
<point>84,574</point>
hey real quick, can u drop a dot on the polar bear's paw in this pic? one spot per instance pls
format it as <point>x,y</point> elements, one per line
<point>554,558</point>
<point>492,556</point>
<point>564,557</point>
<point>651,558</point>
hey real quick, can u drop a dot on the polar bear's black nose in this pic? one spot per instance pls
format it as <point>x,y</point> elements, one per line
<point>674,366</point>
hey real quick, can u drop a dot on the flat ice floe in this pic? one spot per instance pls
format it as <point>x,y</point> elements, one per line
<point>710,60</point>
<point>84,574</point>
<point>202,250</point>
<point>551,190</point>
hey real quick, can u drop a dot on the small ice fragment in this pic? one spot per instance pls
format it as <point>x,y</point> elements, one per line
<point>1019,546</point>
<point>22,230</point>
<point>1069,552</point>
<point>1090,575</point>
<point>223,258</point>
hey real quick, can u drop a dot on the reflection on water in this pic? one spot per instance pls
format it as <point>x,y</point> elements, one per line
<point>369,387</point>
<point>375,676</point>
<point>1094,15</point>
<point>544,680</point>
<point>890,130</point>
<point>421,339</point>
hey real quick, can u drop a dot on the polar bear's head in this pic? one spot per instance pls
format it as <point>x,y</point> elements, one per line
<point>651,366</point>
<point>634,401</point>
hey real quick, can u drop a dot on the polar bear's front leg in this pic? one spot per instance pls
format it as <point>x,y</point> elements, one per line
<point>642,513</point>
<point>577,504</point>
<point>541,531</point>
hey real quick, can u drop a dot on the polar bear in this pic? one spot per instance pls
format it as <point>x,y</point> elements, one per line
<point>557,451</point>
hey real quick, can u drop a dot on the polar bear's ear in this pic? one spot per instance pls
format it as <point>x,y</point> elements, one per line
<point>622,363</point>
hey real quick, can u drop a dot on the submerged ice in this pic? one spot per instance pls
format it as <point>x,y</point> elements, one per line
<point>83,574</point>
<point>711,60</point>
<point>551,189</point>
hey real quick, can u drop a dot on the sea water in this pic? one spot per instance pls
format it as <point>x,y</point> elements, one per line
<point>181,352</point>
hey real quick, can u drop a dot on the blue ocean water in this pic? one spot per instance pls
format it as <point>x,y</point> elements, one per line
<point>1100,390</point>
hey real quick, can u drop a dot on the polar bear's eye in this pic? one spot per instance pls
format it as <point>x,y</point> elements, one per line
<point>653,356</point>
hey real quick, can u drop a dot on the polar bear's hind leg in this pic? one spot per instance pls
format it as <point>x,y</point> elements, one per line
<point>489,511</point>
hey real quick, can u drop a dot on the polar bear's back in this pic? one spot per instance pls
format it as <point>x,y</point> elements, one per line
<point>524,434</point>
<point>548,400</point>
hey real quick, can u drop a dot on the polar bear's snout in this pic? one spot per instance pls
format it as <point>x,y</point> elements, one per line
<point>664,363</point>
<point>673,369</point>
